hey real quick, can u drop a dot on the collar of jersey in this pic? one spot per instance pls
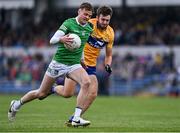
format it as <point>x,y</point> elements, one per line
<point>79,23</point>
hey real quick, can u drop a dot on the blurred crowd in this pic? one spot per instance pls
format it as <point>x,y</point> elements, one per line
<point>147,26</point>
<point>134,26</point>
<point>23,68</point>
<point>132,66</point>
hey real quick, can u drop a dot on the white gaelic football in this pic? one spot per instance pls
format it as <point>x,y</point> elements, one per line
<point>76,42</point>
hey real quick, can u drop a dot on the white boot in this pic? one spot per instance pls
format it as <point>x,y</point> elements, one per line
<point>12,111</point>
<point>78,121</point>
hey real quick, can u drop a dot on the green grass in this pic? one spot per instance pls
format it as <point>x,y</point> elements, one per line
<point>107,114</point>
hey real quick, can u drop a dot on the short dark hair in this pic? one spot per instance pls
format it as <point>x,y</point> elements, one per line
<point>86,6</point>
<point>104,10</point>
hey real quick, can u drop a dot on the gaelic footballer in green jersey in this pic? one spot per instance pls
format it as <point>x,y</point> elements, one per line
<point>64,62</point>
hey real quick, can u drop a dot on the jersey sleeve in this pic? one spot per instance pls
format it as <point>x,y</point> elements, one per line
<point>65,26</point>
<point>111,38</point>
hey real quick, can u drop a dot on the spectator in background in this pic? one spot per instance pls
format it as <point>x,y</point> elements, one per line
<point>174,84</point>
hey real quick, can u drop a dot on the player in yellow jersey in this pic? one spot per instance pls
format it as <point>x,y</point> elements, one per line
<point>102,36</point>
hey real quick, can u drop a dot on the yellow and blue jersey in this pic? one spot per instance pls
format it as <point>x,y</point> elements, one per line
<point>97,40</point>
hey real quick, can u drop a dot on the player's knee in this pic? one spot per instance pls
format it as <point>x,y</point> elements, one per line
<point>92,95</point>
<point>86,84</point>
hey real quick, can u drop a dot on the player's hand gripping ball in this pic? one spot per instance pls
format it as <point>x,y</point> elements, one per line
<point>75,44</point>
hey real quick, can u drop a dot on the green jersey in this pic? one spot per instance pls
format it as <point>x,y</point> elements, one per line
<point>66,56</point>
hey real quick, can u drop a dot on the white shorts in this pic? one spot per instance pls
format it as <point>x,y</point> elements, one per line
<point>56,69</point>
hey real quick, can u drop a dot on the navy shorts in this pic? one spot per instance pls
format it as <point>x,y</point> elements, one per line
<point>91,70</point>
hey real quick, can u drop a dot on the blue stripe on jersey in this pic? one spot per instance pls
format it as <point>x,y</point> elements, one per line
<point>96,43</point>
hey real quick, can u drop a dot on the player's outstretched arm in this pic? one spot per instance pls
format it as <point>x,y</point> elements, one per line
<point>108,60</point>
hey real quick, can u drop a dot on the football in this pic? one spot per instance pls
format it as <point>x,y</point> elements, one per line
<point>76,42</point>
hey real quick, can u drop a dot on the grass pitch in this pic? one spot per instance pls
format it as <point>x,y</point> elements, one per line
<point>107,114</point>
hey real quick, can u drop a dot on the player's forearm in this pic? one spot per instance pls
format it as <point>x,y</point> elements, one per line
<point>108,57</point>
<point>108,60</point>
<point>56,37</point>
